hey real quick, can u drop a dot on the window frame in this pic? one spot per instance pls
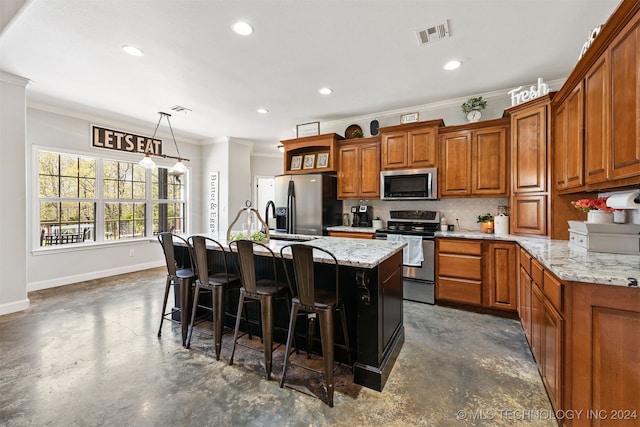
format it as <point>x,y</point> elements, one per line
<point>100,200</point>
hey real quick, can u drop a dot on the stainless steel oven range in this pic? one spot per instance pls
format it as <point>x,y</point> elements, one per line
<point>418,277</point>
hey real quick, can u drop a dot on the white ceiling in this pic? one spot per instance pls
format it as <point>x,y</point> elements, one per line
<point>366,51</point>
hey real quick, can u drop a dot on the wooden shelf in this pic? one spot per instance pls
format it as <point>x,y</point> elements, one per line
<point>311,145</point>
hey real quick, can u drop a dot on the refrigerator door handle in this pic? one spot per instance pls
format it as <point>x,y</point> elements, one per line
<point>291,208</point>
<point>292,215</point>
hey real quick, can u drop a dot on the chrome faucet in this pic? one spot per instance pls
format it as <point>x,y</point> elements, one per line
<point>266,211</point>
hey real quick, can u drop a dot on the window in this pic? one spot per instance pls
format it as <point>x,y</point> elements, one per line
<point>67,189</point>
<point>124,193</point>
<point>85,200</point>
<point>169,208</point>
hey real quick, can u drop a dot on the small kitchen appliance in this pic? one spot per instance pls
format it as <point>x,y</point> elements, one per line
<point>362,216</point>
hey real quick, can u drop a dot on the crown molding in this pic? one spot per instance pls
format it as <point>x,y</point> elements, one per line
<point>14,79</point>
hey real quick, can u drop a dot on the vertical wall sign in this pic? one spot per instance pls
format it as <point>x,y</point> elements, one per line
<point>214,186</point>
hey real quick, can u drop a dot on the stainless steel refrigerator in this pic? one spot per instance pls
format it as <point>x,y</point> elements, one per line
<point>311,203</point>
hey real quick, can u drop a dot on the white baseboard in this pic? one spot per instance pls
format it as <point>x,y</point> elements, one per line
<point>13,307</point>
<point>68,280</point>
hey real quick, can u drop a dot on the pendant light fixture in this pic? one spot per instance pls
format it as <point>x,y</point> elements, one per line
<point>148,163</point>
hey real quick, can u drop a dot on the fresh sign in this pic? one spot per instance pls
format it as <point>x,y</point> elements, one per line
<point>519,96</point>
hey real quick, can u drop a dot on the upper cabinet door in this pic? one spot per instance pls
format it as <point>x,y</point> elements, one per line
<point>529,153</point>
<point>348,172</point>
<point>394,150</point>
<point>596,131</point>
<point>625,102</point>
<point>370,171</point>
<point>455,170</point>
<point>422,147</point>
<point>569,141</point>
<point>490,162</point>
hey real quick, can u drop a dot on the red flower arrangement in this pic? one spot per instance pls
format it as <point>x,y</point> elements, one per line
<point>587,205</point>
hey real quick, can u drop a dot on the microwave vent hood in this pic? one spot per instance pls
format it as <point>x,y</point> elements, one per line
<point>409,184</point>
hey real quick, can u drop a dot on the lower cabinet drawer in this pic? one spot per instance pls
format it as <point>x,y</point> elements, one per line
<point>462,266</point>
<point>459,290</point>
<point>552,289</point>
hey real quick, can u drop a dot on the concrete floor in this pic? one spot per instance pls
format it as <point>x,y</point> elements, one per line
<point>87,355</point>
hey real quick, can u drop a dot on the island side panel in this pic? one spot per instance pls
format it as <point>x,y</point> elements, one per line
<point>380,328</point>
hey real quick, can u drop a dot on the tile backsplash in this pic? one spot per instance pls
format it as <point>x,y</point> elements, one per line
<point>466,210</point>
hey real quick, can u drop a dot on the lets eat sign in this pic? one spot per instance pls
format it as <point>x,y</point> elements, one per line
<point>123,141</point>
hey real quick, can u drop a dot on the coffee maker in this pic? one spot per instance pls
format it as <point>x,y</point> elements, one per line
<point>362,216</point>
<point>281,218</point>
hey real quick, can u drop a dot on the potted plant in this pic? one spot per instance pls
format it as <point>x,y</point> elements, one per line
<point>486,223</point>
<point>597,209</point>
<point>472,108</point>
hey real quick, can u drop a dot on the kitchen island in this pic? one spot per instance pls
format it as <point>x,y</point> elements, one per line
<point>370,274</point>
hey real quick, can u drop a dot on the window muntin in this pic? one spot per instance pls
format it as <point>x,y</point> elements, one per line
<point>124,220</point>
<point>123,180</point>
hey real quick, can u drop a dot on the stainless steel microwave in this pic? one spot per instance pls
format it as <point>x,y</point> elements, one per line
<point>409,184</point>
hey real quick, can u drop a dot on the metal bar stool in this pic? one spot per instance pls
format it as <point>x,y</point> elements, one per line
<point>324,303</point>
<point>264,290</point>
<point>175,273</point>
<point>217,282</point>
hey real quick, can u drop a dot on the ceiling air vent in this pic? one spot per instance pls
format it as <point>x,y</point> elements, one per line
<point>180,109</point>
<point>433,34</point>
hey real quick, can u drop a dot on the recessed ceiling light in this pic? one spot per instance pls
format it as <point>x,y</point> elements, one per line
<point>132,50</point>
<point>262,110</point>
<point>242,28</point>
<point>326,91</point>
<point>452,65</point>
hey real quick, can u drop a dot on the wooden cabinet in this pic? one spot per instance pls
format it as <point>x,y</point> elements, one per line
<point>605,360</point>
<point>500,274</point>
<point>459,271</point>
<point>624,56</point>
<point>477,273</point>
<point>524,293</point>
<point>295,151</point>
<point>529,166</point>
<point>529,214</point>
<point>352,234</point>
<point>455,171</point>
<point>597,111</point>
<point>474,160</point>
<point>596,132</point>
<point>540,307</point>
<point>410,146</point>
<point>359,169</point>
<point>569,145</point>
<point>529,148</point>
<point>552,330</point>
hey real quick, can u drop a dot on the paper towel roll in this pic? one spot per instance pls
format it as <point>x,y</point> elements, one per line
<point>624,201</point>
<point>501,224</point>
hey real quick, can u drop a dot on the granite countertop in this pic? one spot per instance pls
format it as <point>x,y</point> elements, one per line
<point>349,252</point>
<point>569,262</point>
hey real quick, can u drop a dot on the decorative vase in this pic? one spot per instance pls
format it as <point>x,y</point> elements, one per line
<point>599,217</point>
<point>486,227</point>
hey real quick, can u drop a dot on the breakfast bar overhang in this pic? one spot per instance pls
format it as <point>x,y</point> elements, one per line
<point>370,275</point>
